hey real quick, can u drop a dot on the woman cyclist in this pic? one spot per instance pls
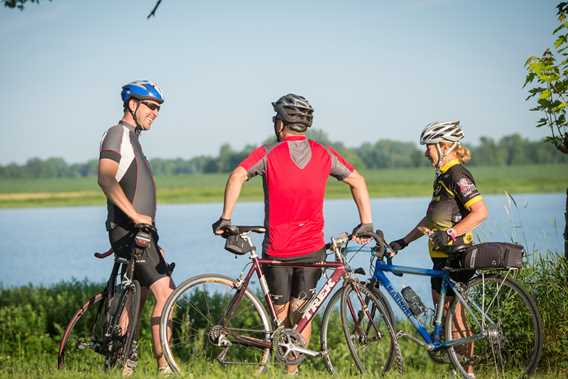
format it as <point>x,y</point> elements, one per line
<point>456,207</point>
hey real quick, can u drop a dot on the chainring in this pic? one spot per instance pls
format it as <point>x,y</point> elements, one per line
<point>283,342</point>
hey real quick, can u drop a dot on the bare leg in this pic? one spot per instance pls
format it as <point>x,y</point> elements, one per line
<point>143,297</point>
<point>460,329</point>
<point>282,314</point>
<point>294,316</point>
<point>161,289</point>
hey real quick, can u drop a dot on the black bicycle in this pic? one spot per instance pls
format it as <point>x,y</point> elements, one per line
<point>101,332</point>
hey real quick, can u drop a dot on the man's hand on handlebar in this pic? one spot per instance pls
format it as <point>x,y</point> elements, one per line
<point>220,225</point>
<point>361,233</point>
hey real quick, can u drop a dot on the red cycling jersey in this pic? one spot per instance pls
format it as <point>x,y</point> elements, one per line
<point>295,173</point>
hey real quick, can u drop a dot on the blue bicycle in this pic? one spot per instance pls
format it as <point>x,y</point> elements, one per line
<point>491,328</point>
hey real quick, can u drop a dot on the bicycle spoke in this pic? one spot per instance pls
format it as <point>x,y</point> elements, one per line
<point>510,328</point>
<point>370,336</point>
<point>81,345</point>
<point>200,329</point>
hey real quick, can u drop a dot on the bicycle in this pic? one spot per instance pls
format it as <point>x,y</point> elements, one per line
<point>101,332</point>
<point>213,316</point>
<point>500,332</point>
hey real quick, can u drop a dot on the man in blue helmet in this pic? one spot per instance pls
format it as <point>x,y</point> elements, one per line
<point>126,179</point>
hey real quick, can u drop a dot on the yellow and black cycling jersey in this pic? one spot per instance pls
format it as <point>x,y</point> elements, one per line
<point>454,194</point>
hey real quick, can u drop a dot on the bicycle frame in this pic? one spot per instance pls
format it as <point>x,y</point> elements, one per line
<point>432,341</point>
<point>311,307</point>
<point>314,303</point>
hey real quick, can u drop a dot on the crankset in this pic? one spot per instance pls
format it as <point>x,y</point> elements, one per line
<point>289,346</point>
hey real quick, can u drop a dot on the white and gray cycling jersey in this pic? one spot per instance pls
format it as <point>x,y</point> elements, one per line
<point>120,143</point>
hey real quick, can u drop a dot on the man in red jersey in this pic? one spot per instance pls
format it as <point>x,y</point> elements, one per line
<point>295,171</point>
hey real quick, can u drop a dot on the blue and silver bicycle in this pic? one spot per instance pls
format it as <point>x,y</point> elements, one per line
<point>491,327</point>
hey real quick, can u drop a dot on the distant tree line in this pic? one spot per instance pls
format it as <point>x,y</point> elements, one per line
<point>508,151</point>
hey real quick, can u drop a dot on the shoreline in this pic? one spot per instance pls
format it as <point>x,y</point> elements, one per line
<point>60,200</point>
<point>192,189</point>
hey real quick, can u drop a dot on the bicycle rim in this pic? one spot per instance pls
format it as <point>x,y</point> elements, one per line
<point>370,336</point>
<point>332,339</point>
<point>80,348</point>
<point>506,319</point>
<point>194,325</point>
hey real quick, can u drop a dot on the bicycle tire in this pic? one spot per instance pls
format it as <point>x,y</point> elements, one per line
<point>119,348</point>
<point>83,336</point>
<point>340,351</point>
<point>367,324</point>
<point>383,299</point>
<point>194,311</point>
<point>514,336</point>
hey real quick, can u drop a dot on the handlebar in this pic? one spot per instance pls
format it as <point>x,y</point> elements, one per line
<point>383,249</point>
<point>232,230</point>
<point>138,227</point>
<point>106,254</point>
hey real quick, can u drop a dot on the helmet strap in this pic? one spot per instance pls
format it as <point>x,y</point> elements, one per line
<point>133,114</point>
<point>278,130</point>
<point>442,156</point>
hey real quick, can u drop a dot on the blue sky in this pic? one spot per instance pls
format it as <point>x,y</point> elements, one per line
<point>371,69</point>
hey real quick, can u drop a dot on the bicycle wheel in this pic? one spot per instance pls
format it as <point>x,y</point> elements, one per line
<point>370,336</point>
<point>507,322</point>
<point>81,346</point>
<point>194,325</point>
<point>332,338</point>
<point>121,330</point>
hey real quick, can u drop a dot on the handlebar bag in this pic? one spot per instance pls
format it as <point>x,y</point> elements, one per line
<point>492,255</point>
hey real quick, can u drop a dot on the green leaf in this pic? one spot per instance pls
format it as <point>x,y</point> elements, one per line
<point>560,41</point>
<point>545,95</point>
<point>529,79</point>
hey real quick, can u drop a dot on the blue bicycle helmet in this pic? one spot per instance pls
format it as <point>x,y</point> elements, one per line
<point>141,90</point>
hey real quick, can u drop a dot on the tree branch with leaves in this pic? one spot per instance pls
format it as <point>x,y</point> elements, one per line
<point>20,4</point>
<point>548,78</point>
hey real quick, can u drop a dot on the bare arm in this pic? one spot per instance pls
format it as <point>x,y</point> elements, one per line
<point>478,213</point>
<point>232,191</point>
<point>360,194</point>
<point>415,233</point>
<point>113,191</point>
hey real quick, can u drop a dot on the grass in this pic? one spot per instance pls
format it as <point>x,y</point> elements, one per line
<point>55,192</point>
<point>43,366</point>
<point>32,320</point>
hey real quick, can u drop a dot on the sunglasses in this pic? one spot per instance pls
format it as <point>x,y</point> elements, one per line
<point>152,106</point>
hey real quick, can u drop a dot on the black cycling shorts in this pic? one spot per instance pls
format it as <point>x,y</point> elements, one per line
<point>458,276</point>
<point>293,282</point>
<point>150,267</point>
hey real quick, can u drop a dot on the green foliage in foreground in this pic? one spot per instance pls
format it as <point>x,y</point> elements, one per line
<point>32,320</point>
<point>210,188</point>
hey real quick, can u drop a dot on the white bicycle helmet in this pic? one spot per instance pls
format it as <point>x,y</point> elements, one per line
<point>436,132</point>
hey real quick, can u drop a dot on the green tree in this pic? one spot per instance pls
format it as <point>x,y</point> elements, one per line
<point>548,77</point>
<point>488,152</point>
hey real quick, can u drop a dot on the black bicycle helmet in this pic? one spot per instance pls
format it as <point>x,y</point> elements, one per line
<point>295,111</point>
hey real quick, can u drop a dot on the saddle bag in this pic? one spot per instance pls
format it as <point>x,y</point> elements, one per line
<point>491,255</point>
<point>237,245</point>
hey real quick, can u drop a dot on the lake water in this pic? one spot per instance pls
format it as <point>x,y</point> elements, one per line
<point>46,245</point>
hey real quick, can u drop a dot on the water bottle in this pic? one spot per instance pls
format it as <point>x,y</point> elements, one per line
<point>413,300</point>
